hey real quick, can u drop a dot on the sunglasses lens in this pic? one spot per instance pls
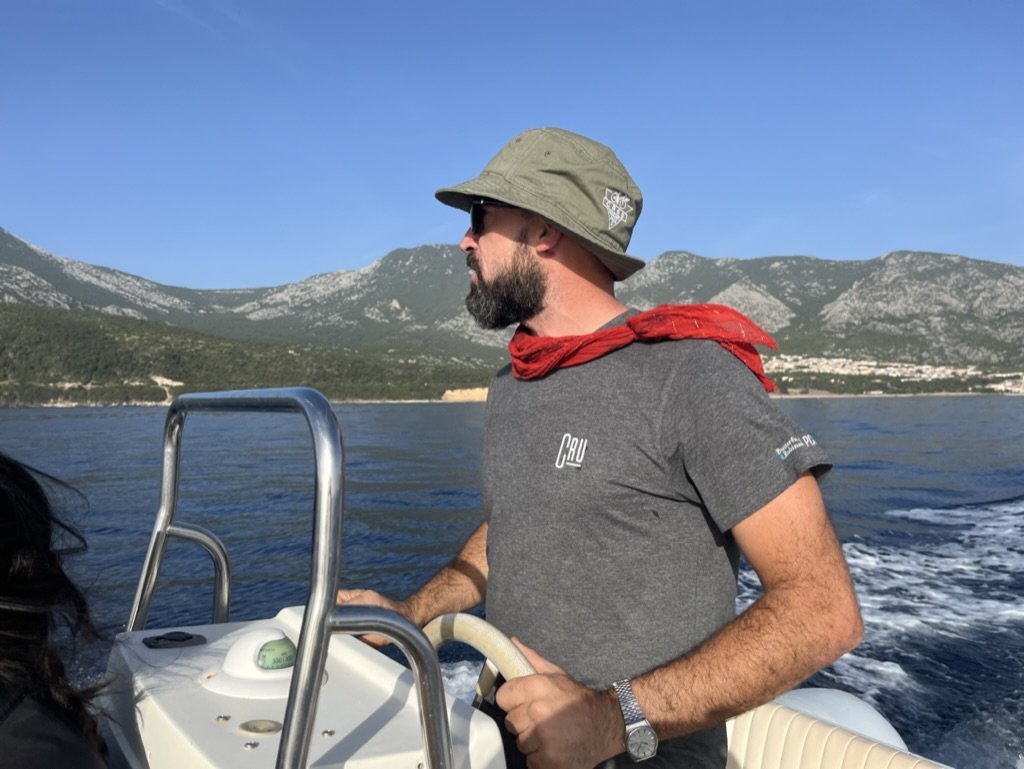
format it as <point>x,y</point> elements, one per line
<point>476,218</point>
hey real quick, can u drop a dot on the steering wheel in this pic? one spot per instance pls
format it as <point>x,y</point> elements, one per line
<point>501,655</point>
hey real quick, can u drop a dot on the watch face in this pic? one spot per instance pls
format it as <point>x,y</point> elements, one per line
<point>642,743</point>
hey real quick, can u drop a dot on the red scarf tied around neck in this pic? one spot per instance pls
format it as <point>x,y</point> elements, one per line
<point>537,356</point>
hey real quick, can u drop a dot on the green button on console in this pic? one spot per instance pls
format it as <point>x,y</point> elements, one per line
<point>276,655</point>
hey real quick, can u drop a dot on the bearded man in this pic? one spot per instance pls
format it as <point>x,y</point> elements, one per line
<point>629,459</point>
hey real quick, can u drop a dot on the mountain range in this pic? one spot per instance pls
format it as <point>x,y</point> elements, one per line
<point>904,306</point>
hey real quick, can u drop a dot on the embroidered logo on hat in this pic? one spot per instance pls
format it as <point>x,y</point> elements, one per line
<point>617,206</point>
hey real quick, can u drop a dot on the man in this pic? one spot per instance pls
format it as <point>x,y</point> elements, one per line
<point>625,468</point>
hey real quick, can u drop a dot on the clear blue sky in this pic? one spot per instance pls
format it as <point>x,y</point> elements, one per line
<point>242,143</point>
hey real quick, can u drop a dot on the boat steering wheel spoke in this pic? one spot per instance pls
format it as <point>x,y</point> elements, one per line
<point>500,655</point>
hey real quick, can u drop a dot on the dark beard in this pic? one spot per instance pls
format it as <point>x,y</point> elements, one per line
<point>514,296</point>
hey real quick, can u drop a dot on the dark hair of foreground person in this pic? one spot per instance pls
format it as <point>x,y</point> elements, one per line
<point>44,720</point>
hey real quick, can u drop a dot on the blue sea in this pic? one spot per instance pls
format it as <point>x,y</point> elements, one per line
<point>927,495</point>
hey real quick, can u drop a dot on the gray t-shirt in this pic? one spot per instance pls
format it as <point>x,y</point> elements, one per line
<point>610,489</point>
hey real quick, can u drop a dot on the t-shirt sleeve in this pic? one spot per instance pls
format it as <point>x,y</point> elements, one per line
<point>734,446</point>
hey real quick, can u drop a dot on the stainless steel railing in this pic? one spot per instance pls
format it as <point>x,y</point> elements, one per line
<point>425,667</point>
<point>321,618</point>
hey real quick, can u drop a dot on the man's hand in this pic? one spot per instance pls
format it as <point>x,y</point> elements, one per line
<point>371,598</point>
<point>558,722</point>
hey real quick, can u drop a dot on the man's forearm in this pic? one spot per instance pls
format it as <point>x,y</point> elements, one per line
<point>460,585</point>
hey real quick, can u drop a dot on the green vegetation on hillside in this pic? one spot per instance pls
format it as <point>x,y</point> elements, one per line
<point>51,355</point>
<point>55,356</point>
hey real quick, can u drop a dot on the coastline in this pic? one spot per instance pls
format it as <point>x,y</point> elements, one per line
<point>479,395</point>
<point>889,395</point>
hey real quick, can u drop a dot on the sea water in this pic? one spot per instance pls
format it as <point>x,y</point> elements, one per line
<point>927,495</point>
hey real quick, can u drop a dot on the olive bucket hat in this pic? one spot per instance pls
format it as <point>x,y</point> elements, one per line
<point>572,181</point>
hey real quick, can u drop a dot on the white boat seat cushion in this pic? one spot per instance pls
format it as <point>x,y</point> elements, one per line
<point>774,736</point>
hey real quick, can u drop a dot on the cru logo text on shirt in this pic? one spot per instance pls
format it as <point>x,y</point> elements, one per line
<point>570,452</point>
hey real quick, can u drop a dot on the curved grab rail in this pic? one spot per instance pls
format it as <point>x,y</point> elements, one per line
<point>426,668</point>
<point>311,651</point>
<point>221,565</point>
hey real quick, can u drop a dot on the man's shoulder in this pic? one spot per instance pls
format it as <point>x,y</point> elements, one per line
<point>683,356</point>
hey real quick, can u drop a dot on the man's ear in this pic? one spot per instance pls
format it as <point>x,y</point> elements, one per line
<point>548,237</point>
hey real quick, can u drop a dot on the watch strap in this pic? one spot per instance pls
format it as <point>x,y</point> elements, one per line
<point>631,712</point>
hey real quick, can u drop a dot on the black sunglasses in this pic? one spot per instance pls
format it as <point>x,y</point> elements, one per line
<point>476,213</point>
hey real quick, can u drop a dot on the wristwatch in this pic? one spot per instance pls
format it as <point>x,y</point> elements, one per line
<point>641,741</point>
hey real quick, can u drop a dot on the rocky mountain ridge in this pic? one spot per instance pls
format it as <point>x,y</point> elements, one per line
<point>904,306</point>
